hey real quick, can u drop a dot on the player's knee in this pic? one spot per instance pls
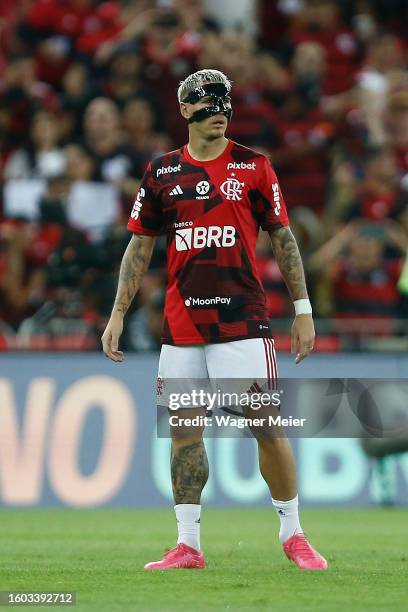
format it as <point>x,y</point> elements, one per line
<point>268,436</point>
<point>184,437</point>
<point>187,426</point>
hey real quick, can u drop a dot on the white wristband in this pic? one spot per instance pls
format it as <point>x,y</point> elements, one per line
<point>302,307</point>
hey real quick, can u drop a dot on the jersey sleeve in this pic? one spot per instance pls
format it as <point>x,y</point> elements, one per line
<point>146,217</point>
<point>268,205</point>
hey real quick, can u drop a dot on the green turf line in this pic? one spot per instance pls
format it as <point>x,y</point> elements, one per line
<point>100,555</point>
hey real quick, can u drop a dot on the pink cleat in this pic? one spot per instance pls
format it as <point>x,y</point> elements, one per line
<point>298,550</point>
<point>180,557</point>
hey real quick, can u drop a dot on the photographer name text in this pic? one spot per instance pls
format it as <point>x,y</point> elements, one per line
<point>238,422</point>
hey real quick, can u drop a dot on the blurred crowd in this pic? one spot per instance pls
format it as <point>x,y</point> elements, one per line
<point>87,98</point>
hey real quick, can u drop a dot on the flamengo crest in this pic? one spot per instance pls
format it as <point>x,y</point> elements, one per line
<point>232,188</point>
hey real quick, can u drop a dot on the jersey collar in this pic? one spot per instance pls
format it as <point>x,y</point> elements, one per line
<point>209,162</point>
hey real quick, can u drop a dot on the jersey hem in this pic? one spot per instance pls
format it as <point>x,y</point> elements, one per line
<point>218,340</point>
<point>275,226</point>
<point>143,232</point>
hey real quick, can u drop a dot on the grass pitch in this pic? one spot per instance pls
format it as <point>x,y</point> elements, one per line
<point>100,555</point>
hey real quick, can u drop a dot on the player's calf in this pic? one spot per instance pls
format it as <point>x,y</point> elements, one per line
<point>189,474</point>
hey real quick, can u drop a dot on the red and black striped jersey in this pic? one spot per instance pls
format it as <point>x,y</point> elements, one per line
<point>211,213</point>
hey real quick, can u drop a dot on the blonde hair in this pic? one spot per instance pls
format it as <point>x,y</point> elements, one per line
<point>199,78</point>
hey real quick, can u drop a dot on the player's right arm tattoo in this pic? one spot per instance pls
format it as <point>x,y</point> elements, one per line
<point>134,264</point>
<point>189,472</point>
<point>289,261</point>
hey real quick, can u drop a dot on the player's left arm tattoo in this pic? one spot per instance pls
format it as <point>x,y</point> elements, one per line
<point>289,261</point>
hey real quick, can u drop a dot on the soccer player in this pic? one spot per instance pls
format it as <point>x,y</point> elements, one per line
<point>210,198</point>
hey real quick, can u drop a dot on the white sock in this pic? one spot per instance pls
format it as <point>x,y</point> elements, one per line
<point>188,524</point>
<point>289,518</point>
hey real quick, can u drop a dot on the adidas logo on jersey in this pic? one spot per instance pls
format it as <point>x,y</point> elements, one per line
<point>200,237</point>
<point>176,191</point>
<point>241,166</point>
<point>168,169</point>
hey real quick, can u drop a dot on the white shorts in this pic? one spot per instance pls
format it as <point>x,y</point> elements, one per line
<point>240,365</point>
